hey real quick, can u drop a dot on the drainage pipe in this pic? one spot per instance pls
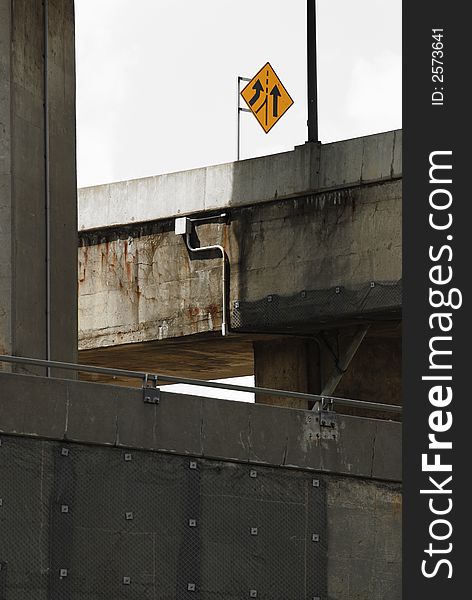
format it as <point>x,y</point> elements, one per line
<point>224,275</point>
<point>224,323</point>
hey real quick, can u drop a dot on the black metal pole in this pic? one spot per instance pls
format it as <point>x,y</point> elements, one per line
<point>311,72</point>
<point>240,110</point>
<point>238,142</point>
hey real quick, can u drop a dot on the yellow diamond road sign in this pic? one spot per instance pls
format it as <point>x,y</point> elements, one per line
<point>266,97</point>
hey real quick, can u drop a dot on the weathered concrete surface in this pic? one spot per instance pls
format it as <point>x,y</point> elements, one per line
<point>287,364</point>
<point>23,179</point>
<point>212,428</point>
<point>363,512</point>
<point>365,540</point>
<point>375,373</point>
<point>284,362</point>
<point>305,365</point>
<point>308,168</point>
<point>317,253</point>
<point>153,289</point>
<point>198,357</point>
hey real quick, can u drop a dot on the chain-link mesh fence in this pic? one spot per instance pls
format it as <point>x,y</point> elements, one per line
<point>95,523</point>
<point>282,313</point>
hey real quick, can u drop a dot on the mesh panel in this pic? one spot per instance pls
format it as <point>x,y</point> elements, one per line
<point>317,306</point>
<point>96,523</point>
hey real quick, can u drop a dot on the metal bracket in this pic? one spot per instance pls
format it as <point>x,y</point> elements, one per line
<point>151,393</point>
<point>327,418</point>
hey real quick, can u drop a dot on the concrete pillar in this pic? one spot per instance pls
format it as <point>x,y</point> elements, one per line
<point>287,364</point>
<point>37,121</point>
<point>374,373</point>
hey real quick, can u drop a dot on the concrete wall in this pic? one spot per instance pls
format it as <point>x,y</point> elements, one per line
<point>309,168</point>
<point>365,540</point>
<point>305,365</point>
<point>375,372</point>
<point>363,512</point>
<point>211,428</point>
<point>23,178</point>
<point>154,289</point>
<point>287,364</point>
<point>313,241</point>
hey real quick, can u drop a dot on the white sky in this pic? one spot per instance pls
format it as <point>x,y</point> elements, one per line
<point>157,82</point>
<point>157,79</point>
<point>181,388</point>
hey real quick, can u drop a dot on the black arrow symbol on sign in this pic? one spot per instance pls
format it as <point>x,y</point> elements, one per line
<point>258,88</point>
<point>275,93</point>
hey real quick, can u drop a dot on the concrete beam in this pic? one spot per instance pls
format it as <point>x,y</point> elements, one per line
<point>311,168</point>
<point>199,357</point>
<point>294,266</point>
<point>211,428</point>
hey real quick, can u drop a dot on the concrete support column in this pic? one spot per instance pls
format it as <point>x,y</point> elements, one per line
<point>375,371</point>
<point>287,364</point>
<point>373,374</point>
<point>38,180</point>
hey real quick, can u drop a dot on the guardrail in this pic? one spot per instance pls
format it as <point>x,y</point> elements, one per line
<point>318,401</point>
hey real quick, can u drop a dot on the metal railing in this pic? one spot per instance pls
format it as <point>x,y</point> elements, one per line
<point>156,378</point>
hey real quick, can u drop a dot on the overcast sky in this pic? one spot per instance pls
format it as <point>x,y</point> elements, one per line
<point>157,79</point>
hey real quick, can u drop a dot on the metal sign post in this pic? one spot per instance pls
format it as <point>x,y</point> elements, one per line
<point>240,110</point>
<point>311,72</point>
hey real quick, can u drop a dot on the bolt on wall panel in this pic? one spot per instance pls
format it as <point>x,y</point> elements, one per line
<point>93,523</point>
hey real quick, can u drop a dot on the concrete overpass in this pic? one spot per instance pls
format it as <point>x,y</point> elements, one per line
<point>313,245</point>
<point>110,495</point>
<point>312,239</point>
